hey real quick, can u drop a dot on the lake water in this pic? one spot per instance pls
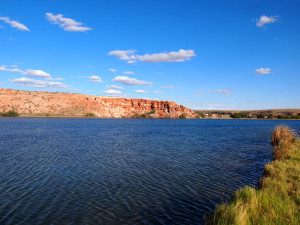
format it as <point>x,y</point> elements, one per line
<point>126,171</point>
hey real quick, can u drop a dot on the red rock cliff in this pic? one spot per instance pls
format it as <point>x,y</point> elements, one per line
<point>35,102</point>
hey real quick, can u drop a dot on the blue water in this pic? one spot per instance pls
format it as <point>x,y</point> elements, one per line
<point>126,171</point>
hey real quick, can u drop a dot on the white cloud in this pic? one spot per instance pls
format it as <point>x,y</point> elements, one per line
<point>114,87</point>
<point>23,81</point>
<point>213,106</point>
<point>140,91</point>
<point>30,73</point>
<point>169,87</point>
<point>261,71</point>
<point>36,73</point>
<point>158,92</point>
<point>224,92</point>
<point>14,24</point>
<point>112,91</point>
<point>95,79</point>
<point>4,68</point>
<point>180,56</point>
<point>67,24</point>
<point>128,72</point>
<point>265,20</point>
<point>112,70</point>
<point>14,66</point>
<point>129,56</point>
<point>130,81</point>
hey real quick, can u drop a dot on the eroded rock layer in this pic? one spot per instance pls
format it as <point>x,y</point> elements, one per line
<point>35,102</point>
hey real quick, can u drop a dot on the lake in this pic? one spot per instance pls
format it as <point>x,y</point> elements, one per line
<point>126,171</point>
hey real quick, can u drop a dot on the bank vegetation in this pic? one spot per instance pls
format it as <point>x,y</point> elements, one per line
<point>277,200</point>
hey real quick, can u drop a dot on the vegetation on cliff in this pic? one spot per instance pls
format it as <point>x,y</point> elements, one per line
<point>89,114</point>
<point>277,201</point>
<point>10,113</point>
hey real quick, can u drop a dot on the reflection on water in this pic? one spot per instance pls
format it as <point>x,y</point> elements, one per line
<point>126,171</point>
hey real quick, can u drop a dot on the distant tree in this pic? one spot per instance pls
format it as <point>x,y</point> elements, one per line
<point>201,114</point>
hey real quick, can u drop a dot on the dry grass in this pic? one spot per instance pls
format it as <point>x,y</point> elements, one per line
<point>282,139</point>
<point>277,201</point>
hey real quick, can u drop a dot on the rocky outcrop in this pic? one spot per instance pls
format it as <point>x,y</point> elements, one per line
<point>38,103</point>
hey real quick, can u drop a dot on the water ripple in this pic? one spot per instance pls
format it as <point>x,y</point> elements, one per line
<point>127,171</point>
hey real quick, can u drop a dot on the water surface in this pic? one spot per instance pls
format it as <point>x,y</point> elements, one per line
<point>126,171</point>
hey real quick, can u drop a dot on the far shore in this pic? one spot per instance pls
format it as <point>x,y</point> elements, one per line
<point>48,115</point>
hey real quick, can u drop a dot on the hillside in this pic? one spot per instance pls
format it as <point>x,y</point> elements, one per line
<point>36,103</point>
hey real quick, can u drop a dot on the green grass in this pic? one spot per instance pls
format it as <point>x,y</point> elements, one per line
<point>10,113</point>
<point>277,200</point>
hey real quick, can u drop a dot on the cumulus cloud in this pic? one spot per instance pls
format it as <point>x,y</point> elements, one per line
<point>23,81</point>
<point>180,56</point>
<point>265,20</point>
<point>262,71</point>
<point>130,81</point>
<point>158,92</point>
<point>67,24</point>
<point>30,73</point>
<point>127,55</point>
<point>224,92</point>
<point>4,68</point>
<point>95,79</point>
<point>112,91</point>
<point>140,91</point>
<point>112,70</point>
<point>14,24</point>
<point>128,72</point>
<point>114,87</point>
<point>37,73</point>
<point>130,56</point>
<point>169,87</point>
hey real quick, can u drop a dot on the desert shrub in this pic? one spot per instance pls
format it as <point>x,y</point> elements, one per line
<point>10,113</point>
<point>182,116</point>
<point>89,114</point>
<point>151,112</point>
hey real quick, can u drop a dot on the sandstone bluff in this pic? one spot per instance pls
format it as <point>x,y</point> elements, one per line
<point>68,104</point>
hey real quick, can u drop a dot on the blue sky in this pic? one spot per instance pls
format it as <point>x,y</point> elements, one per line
<point>201,54</point>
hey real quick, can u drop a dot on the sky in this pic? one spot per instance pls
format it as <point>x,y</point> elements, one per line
<point>215,55</point>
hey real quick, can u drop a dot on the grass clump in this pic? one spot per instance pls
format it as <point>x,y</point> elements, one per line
<point>89,114</point>
<point>277,200</point>
<point>10,113</point>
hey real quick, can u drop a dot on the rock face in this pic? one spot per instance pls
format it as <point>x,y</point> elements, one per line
<point>38,103</point>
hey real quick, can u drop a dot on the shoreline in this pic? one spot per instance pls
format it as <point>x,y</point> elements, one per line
<point>99,117</point>
<point>276,200</point>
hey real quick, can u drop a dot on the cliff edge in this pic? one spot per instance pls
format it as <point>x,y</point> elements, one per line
<point>68,104</point>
